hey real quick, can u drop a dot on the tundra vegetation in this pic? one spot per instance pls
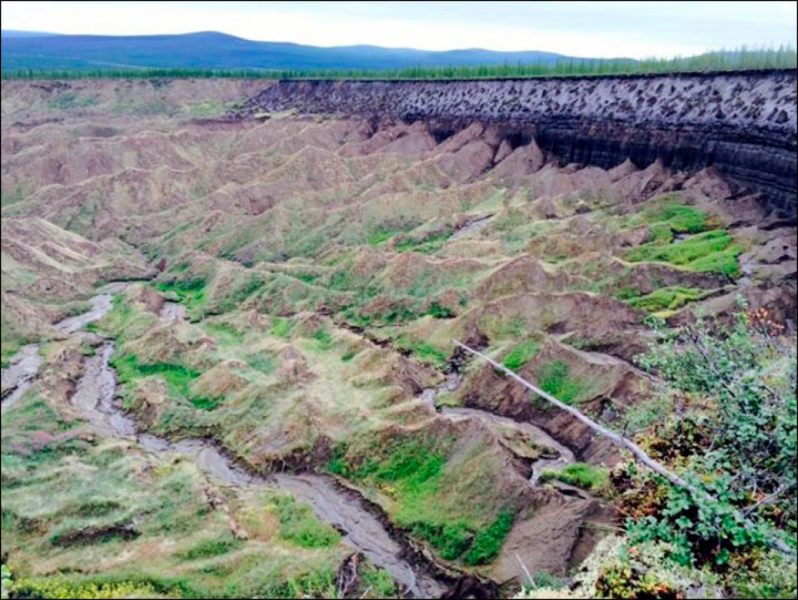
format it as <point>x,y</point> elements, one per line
<point>294,287</point>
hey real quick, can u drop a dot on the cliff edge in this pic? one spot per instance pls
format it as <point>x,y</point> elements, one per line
<point>742,123</point>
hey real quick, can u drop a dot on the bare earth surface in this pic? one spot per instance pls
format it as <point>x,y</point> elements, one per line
<point>275,386</point>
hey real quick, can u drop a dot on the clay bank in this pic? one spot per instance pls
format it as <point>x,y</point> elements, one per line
<point>742,123</point>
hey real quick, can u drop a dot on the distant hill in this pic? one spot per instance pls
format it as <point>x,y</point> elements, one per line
<point>15,33</point>
<point>213,50</point>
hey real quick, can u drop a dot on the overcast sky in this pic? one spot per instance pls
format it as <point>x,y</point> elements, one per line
<point>606,29</point>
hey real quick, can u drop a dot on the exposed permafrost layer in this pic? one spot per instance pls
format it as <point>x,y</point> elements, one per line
<point>744,124</point>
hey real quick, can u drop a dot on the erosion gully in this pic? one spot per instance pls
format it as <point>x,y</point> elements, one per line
<point>343,509</point>
<point>364,527</point>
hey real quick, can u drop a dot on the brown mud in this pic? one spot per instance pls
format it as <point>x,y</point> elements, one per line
<point>95,398</point>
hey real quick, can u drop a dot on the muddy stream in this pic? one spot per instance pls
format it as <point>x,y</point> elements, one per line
<point>19,375</point>
<point>343,509</point>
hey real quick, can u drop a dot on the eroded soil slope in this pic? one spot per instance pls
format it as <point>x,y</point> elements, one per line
<point>323,267</point>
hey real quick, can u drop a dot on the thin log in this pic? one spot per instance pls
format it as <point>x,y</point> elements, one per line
<point>618,440</point>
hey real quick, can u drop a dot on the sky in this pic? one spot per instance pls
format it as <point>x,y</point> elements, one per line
<point>596,29</point>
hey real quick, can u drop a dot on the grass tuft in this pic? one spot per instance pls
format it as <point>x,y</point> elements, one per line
<point>581,475</point>
<point>711,251</point>
<point>520,355</point>
<point>554,378</point>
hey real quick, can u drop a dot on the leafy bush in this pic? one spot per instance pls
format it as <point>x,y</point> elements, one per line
<point>440,312</point>
<point>742,447</point>
<point>6,582</point>
<point>61,587</point>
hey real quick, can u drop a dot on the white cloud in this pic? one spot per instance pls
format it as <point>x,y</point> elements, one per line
<point>606,29</point>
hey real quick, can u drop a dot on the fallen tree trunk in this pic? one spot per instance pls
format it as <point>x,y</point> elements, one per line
<point>617,439</point>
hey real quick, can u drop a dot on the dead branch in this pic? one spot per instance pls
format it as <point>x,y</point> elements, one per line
<point>618,440</point>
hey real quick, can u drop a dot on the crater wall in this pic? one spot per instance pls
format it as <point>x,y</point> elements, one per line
<point>742,123</point>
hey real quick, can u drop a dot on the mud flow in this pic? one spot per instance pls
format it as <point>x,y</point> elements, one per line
<point>19,375</point>
<point>95,398</point>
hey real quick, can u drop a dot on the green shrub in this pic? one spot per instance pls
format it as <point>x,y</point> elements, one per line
<point>61,587</point>
<point>440,312</point>
<point>740,446</point>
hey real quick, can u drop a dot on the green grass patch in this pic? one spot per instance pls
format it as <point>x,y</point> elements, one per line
<point>669,298</point>
<point>299,525</point>
<point>412,472</point>
<point>213,547</point>
<point>678,217</point>
<point>426,245</point>
<point>711,251</point>
<point>15,196</point>
<point>206,403</point>
<point>581,475</point>
<point>190,292</point>
<point>261,361</point>
<point>305,277</point>
<point>178,378</point>
<point>520,355</point>
<point>423,351</point>
<point>224,333</point>
<point>437,311</point>
<point>379,581</point>
<point>281,327</point>
<point>323,339</point>
<point>379,235</point>
<point>488,542</point>
<point>554,378</point>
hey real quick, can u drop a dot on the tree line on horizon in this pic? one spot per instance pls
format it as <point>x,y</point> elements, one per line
<point>784,57</point>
